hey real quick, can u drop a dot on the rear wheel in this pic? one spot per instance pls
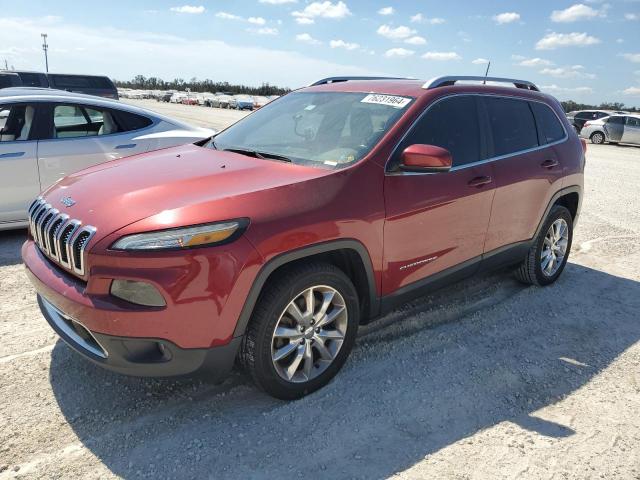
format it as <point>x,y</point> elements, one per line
<point>302,330</point>
<point>548,255</point>
<point>597,138</point>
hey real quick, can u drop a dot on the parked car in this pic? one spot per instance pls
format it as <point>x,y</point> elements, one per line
<point>47,134</point>
<point>613,129</point>
<point>9,79</point>
<point>242,102</point>
<point>221,101</point>
<point>98,85</point>
<point>578,118</point>
<point>275,240</point>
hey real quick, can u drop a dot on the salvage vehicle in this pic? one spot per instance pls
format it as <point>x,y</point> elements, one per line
<point>323,210</point>
<point>613,129</point>
<point>47,134</point>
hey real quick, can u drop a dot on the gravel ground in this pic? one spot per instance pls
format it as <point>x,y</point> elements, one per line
<point>489,379</point>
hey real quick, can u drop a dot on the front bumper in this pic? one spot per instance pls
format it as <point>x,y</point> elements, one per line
<point>147,357</point>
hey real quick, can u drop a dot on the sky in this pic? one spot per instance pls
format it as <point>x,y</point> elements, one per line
<point>588,52</point>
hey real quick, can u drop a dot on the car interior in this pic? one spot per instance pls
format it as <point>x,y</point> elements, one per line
<point>15,122</point>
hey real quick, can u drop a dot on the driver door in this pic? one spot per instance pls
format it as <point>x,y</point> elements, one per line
<point>19,183</point>
<point>438,222</point>
<point>614,128</point>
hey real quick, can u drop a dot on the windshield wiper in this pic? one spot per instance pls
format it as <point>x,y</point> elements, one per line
<point>257,154</point>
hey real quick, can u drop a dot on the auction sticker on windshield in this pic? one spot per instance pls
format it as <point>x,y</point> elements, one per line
<point>390,100</point>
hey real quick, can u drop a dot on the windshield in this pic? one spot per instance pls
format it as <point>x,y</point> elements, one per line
<point>324,129</point>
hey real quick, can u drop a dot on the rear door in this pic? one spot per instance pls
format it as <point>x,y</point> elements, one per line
<point>19,183</point>
<point>527,168</point>
<point>631,132</point>
<point>436,221</point>
<point>82,136</point>
<point>614,128</point>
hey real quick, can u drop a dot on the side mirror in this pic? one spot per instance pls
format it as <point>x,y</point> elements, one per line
<point>425,158</point>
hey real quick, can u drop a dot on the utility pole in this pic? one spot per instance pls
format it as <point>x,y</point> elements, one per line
<point>45,47</point>
<point>6,64</point>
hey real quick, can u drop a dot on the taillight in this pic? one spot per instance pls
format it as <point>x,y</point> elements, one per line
<point>586,124</point>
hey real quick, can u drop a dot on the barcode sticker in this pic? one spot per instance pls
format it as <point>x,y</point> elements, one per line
<point>389,100</point>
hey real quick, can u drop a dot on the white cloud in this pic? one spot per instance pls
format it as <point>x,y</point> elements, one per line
<point>556,89</point>
<point>188,9</point>
<point>125,53</point>
<point>554,40</point>
<point>619,40</point>
<point>398,52</point>
<point>256,20</point>
<point>634,91</point>
<point>420,18</point>
<point>480,61</point>
<point>306,38</point>
<point>532,62</point>
<point>575,71</point>
<point>325,9</point>
<point>416,40</point>
<point>304,21</point>
<point>632,57</point>
<point>631,16</point>
<point>576,13</point>
<point>265,31</point>
<point>386,11</point>
<point>397,33</point>
<point>277,2</point>
<point>442,56</point>
<point>343,44</point>
<point>228,16</point>
<point>507,17</point>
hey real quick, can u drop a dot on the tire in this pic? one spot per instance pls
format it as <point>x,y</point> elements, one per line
<point>261,346</point>
<point>597,138</point>
<point>531,270</point>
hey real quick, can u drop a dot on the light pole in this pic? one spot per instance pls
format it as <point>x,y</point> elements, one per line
<point>45,47</point>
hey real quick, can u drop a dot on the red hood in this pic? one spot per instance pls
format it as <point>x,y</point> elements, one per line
<point>183,185</point>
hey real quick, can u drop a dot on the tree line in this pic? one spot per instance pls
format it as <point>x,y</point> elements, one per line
<point>570,106</point>
<point>140,82</point>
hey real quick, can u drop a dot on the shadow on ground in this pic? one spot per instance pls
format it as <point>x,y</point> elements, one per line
<point>10,244</point>
<point>436,372</point>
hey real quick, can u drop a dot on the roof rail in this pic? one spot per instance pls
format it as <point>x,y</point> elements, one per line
<point>451,80</point>
<point>324,81</point>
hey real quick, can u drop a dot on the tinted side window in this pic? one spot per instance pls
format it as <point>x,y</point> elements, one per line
<point>616,120</point>
<point>453,124</point>
<point>512,125</point>
<point>31,79</point>
<point>549,126</point>
<point>633,122</point>
<point>583,115</point>
<point>16,122</point>
<point>131,121</point>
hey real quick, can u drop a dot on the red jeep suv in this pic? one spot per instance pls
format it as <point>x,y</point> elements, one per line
<point>274,240</point>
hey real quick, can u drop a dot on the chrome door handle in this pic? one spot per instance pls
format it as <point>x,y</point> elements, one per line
<point>126,145</point>
<point>479,181</point>
<point>549,163</point>
<point>11,155</point>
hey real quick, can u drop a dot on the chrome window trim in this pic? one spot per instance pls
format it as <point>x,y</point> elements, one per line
<point>479,162</point>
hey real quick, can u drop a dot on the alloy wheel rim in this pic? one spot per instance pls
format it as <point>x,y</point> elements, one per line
<point>598,138</point>
<point>309,334</point>
<point>554,247</point>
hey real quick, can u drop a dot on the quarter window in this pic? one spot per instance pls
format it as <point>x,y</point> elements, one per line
<point>549,127</point>
<point>512,124</point>
<point>70,121</point>
<point>453,124</point>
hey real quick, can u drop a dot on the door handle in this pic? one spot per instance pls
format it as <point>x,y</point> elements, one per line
<point>549,163</point>
<point>479,181</point>
<point>126,145</point>
<point>12,155</point>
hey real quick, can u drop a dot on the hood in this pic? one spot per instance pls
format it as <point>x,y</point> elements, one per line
<point>166,183</point>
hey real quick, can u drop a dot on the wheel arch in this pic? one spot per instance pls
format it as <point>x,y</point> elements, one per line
<point>349,255</point>
<point>569,197</point>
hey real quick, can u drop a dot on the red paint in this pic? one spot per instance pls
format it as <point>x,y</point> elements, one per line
<point>412,226</point>
<point>426,157</point>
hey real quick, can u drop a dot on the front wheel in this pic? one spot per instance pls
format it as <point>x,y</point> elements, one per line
<point>302,330</point>
<point>548,255</point>
<point>597,138</point>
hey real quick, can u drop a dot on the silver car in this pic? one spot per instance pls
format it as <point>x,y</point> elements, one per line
<point>613,129</point>
<point>48,134</point>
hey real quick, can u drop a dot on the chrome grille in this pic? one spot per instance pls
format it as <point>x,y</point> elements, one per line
<point>61,238</point>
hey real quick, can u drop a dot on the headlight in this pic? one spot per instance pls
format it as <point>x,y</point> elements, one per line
<point>185,237</point>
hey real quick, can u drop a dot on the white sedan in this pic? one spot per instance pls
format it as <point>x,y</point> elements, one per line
<point>48,134</point>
